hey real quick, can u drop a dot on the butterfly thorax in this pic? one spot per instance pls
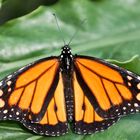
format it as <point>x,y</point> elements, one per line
<point>66,59</point>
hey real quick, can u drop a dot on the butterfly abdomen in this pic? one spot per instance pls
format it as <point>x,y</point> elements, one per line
<point>69,98</point>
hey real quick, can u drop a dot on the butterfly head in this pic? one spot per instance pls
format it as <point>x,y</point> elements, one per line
<point>66,50</point>
<point>66,59</point>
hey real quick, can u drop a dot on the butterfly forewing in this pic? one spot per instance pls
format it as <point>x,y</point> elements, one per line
<point>34,95</point>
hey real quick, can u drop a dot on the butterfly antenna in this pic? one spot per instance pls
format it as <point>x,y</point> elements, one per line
<point>82,22</point>
<point>59,28</point>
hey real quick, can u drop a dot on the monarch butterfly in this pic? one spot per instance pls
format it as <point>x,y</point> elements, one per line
<point>89,92</point>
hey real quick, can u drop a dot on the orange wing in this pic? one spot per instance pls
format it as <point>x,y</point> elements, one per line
<point>111,91</point>
<point>34,95</point>
<point>87,120</point>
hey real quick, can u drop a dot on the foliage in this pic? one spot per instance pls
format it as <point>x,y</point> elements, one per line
<point>111,31</point>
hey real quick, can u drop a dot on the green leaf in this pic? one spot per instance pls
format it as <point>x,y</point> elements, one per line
<point>0,3</point>
<point>11,9</point>
<point>111,31</point>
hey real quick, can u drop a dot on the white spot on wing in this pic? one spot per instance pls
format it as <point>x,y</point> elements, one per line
<point>136,105</point>
<point>9,76</point>
<point>1,92</point>
<point>124,108</point>
<point>138,77</point>
<point>1,83</point>
<point>129,78</point>
<point>2,103</point>
<point>129,84</point>
<point>9,83</point>
<point>17,113</point>
<point>5,111</point>
<point>138,85</point>
<point>138,96</point>
<point>9,90</point>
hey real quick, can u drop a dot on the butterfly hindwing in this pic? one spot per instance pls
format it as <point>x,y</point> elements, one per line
<point>87,120</point>
<point>112,91</point>
<point>34,96</point>
<point>82,127</point>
